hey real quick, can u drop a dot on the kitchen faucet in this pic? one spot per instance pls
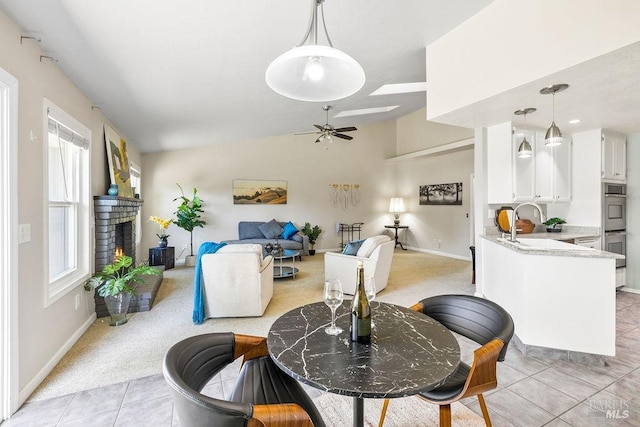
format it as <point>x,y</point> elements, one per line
<point>513,219</point>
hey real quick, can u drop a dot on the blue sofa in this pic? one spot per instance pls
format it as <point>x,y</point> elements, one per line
<point>249,232</point>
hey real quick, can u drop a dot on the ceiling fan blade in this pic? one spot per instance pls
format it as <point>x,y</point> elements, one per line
<point>306,133</point>
<point>318,140</point>
<point>339,135</point>
<point>347,129</point>
<point>319,127</point>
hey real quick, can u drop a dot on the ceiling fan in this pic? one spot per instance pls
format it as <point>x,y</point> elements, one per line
<point>327,131</point>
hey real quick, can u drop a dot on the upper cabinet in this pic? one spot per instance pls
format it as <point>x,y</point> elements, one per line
<point>614,157</point>
<point>544,177</point>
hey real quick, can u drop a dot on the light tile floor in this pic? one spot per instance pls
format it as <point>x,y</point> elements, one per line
<point>532,392</point>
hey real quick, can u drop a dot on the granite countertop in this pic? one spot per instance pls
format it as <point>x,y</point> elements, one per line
<point>579,251</point>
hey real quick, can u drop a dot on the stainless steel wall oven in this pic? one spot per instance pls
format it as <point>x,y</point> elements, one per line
<point>614,207</point>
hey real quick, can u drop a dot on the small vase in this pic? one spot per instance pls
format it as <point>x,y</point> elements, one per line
<point>162,243</point>
<point>118,306</point>
<point>113,190</point>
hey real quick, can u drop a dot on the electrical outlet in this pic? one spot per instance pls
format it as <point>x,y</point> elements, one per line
<point>77,301</point>
<point>24,233</point>
<point>492,213</point>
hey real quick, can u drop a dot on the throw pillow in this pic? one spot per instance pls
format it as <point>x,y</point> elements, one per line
<point>271,229</point>
<point>296,238</point>
<point>289,230</point>
<point>352,247</point>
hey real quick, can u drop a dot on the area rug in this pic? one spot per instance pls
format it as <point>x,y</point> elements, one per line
<point>403,412</point>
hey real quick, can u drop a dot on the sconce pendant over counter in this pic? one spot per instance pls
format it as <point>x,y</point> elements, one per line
<point>313,72</point>
<point>553,135</point>
<point>396,207</point>
<point>524,149</point>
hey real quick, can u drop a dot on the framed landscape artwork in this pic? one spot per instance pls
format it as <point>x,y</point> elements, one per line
<point>259,192</point>
<point>441,194</point>
<point>118,162</point>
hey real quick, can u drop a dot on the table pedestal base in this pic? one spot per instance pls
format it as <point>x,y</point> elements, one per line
<point>358,412</point>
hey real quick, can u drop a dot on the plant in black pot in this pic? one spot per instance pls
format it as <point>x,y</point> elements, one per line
<point>312,233</point>
<point>116,283</point>
<point>188,218</point>
<point>554,225</point>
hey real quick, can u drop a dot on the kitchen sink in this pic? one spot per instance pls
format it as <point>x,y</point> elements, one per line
<point>544,245</point>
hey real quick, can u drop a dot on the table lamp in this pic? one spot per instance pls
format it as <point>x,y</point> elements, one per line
<point>396,205</point>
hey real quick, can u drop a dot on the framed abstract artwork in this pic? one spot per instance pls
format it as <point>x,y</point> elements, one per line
<point>118,162</point>
<point>441,194</point>
<point>259,192</point>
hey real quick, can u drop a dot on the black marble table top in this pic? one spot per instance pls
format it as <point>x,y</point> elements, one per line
<point>409,352</point>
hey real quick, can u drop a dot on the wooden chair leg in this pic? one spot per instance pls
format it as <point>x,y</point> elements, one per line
<point>485,412</point>
<point>445,415</point>
<point>383,414</point>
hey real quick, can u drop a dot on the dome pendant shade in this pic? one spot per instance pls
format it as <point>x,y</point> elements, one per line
<point>524,150</point>
<point>553,136</point>
<point>315,73</point>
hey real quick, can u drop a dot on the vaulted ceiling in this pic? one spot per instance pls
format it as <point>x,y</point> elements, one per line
<point>174,74</point>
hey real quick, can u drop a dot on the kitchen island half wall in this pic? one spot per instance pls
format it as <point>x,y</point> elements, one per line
<point>562,298</point>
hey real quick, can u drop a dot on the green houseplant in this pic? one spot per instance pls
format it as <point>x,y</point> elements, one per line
<point>312,233</point>
<point>554,224</point>
<point>116,283</point>
<point>188,217</point>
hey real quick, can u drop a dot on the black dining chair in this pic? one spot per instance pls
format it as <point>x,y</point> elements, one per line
<point>482,321</point>
<point>263,395</point>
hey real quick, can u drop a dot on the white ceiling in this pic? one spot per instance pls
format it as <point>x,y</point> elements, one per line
<point>175,74</point>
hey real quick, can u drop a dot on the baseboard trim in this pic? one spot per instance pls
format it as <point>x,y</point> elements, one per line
<point>630,290</point>
<point>31,386</point>
<point>444,254</point>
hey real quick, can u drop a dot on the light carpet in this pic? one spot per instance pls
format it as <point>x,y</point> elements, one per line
<point>337,410</point>
<point>108,355</point>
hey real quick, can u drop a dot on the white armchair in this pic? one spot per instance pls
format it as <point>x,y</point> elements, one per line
<point>375,253</point>
<point>237,281</point>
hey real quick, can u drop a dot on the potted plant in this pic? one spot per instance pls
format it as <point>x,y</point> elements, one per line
<point>163,224</point>
<point>554,225</point>
<point>116,283</point>
<point>312,233</point>
<point>188,218</point>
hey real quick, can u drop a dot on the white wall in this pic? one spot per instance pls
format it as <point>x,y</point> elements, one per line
<point>559,34</point>
<point>44,334</point>
<point>309,169</point>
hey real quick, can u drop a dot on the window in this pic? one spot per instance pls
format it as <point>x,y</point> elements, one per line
<point>67,159</point>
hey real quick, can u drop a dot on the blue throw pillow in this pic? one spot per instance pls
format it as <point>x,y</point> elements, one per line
<point>271,229</point>
<point>289,230</point>
<point>352,247</point>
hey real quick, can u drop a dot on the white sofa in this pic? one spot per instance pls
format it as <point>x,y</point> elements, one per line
<point>375,253</point>
<point>237,281</point>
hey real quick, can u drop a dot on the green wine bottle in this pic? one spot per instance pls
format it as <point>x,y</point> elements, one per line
<point>360,311</point>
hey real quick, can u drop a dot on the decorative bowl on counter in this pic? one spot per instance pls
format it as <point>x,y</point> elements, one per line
<point>524,226</point>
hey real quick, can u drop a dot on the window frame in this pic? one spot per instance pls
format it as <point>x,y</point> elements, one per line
<point>60,286</point>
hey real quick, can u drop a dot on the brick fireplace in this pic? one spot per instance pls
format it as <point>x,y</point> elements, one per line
<point>116,228</point>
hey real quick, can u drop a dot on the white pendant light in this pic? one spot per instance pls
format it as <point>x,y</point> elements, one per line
<point>313,72</point>
<point>553,135</point>
<point>524,149</point>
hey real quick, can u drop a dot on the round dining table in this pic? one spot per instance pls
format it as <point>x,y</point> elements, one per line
<point>409,352</point>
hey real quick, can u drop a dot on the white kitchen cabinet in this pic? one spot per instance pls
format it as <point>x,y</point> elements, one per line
<point>614,157</point>
<point>544,177</point>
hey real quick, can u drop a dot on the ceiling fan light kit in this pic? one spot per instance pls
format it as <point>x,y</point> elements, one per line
<point>313,72</point>
<point>327,132</point>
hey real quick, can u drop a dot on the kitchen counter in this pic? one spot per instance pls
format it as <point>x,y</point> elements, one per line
<point>567,251</point>
<point>561,296</point>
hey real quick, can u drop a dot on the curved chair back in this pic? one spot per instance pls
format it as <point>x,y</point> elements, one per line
<point>188,366</point>
<point>476,318</point>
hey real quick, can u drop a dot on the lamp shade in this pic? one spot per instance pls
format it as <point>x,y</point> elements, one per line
<point>315,73</point>
<point>524,150</point>
<point>553,135</point>
<point>396,205</point>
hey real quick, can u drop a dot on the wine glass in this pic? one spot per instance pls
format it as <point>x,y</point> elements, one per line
<point>370,290</point>
<point>333,297</point>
